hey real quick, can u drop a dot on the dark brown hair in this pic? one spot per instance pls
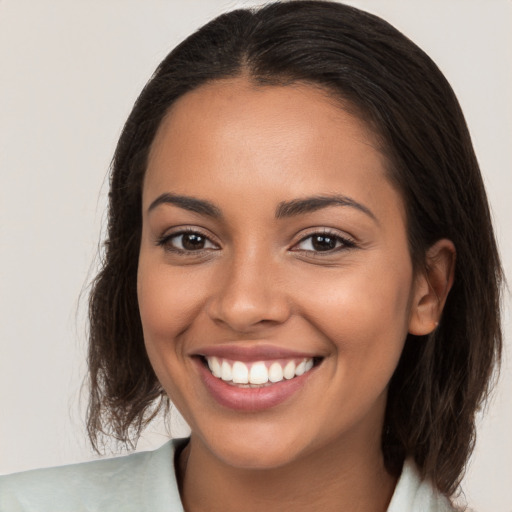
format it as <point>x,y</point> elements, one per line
<point>356,57</point>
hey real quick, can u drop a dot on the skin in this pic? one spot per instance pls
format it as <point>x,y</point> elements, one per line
<point>258,280</point>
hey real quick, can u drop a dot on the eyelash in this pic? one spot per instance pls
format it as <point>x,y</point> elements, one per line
<point>165,242</point>
<point>345,243</point>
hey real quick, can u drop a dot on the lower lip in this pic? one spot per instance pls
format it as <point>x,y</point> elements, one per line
<point>251,399</point>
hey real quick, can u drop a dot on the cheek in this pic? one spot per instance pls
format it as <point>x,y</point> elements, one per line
<point>364,320</point>
<point>364,315</point>
<point>167,300</point>
<point>361,297</point>
<point>165,306</point>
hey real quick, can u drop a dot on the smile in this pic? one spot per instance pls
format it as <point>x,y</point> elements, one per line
<point>259,373</point>
<point>252,379</point>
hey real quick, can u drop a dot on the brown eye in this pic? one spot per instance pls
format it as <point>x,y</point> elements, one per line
<point>192,241</point>
<point>186,241</point>
<point>323,242</point>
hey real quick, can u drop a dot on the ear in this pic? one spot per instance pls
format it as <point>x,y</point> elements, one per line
<point>432,287</point>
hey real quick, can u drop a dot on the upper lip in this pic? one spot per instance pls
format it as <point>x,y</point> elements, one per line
<point>248,353</point>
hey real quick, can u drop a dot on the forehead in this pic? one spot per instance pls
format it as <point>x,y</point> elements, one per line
<point>237,105</point>
<point>294,140</point>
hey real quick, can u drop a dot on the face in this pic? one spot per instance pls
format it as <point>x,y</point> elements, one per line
<point>275,282</point>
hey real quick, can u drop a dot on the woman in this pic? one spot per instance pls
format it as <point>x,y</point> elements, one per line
<point>291,260</point>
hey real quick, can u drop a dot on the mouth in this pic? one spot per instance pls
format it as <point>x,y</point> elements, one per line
<point>254,380</point>
<point>259,373</point>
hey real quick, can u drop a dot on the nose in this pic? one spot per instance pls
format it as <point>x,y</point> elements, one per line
<point>250,294</point>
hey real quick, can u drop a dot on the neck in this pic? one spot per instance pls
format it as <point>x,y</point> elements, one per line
<point>341,476</point>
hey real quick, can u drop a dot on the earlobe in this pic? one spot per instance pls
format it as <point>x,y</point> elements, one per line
<point>432,287</point>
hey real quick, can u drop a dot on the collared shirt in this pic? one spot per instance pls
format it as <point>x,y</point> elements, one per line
<point>146,482</point>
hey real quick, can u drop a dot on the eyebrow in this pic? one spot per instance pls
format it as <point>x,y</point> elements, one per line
<point>285,209</point>
<point>191,204</point>
<point>311,204</point>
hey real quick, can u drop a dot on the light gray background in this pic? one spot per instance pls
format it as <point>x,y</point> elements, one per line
<point>70,71</point>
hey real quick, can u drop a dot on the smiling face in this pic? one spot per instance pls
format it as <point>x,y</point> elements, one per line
<point>273,246</point>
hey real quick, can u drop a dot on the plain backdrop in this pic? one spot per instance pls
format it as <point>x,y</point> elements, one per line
<point>70,71</point>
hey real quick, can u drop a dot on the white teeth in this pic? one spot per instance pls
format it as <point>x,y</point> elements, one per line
<point>240,373</point>
<point>275,373</point>
<point>301,368</point>
<point>257,373</point>
<point>214,365</point>
<point>289,370</point>
<point>226,373</point>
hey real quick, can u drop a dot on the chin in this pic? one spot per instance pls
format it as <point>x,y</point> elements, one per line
<point>254,456</point>
<point>261,446</point>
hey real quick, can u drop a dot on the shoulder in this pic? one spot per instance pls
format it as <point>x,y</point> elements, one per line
<point>141,481</point>
<point>413,493</point>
